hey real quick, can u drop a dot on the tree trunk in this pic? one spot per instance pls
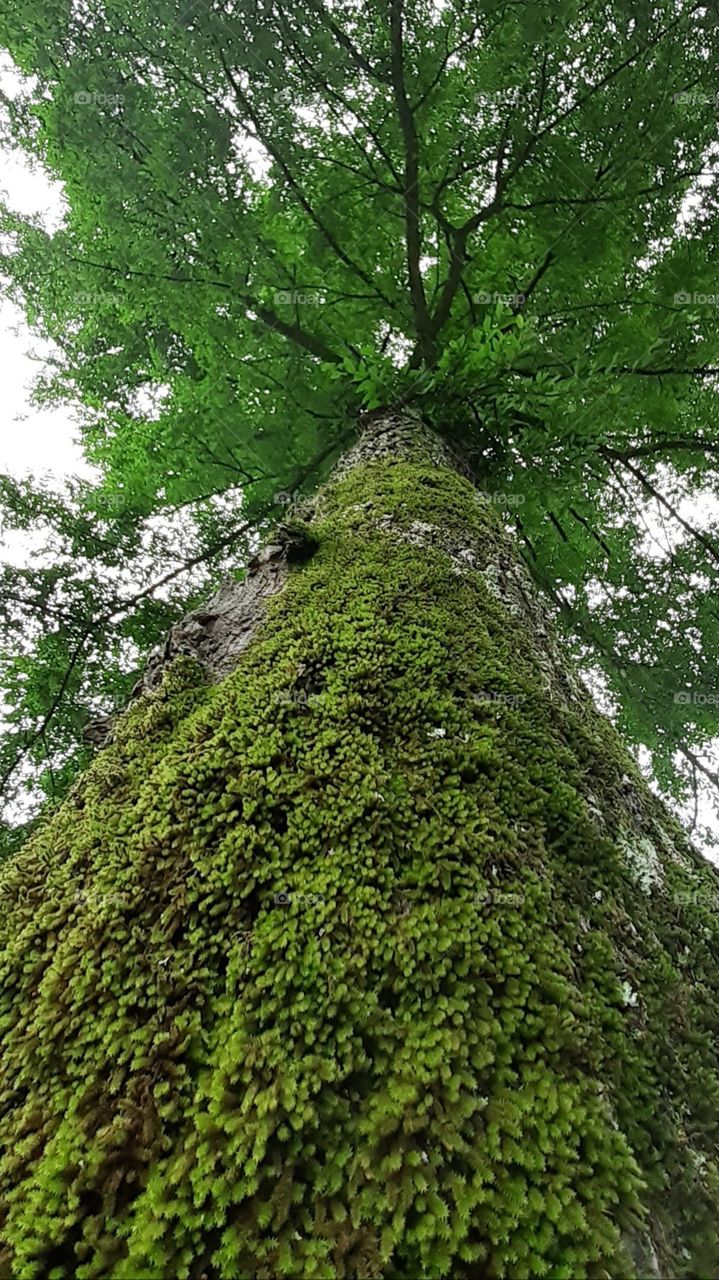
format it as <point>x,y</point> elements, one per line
<point>362,950</point>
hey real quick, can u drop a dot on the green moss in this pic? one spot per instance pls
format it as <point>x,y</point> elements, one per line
<point>322,971</point>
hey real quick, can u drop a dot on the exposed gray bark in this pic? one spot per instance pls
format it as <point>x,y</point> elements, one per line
<point>220,630</point>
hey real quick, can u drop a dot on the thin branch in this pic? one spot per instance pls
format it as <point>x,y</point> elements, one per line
<point>694,760</point>
<point>694,371</point>
<point>666,446</point>
<point>293,332</point>
<point>332,94</point>
<point>557,526</point>
<point>347,44</point>
<point>410,186</point>
<point>459,237</point>
<point>294,185</point>
<point>465,43</point>
<point>597,537</point>
<point>603,81</point>
<point>659,497</point>
<point>505,174</point>
<point>526,291</point>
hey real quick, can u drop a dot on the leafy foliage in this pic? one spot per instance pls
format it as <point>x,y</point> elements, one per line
<point>280,215</point>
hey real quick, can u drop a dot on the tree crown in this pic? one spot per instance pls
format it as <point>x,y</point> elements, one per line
<point>280,216</point>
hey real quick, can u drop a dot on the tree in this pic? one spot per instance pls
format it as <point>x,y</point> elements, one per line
<point>362,948</point>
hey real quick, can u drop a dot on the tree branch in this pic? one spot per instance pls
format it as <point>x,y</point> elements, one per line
<point>292,182</point>
<point>659,497</point>
<point>697,764</point>
<point>346,43</point>
<point>503,176</point>
<point>410,188</point>
<point>293,332</point>
<point>666,446</point>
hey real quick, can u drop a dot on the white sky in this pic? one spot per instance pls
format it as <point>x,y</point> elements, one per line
<point>31,439</point>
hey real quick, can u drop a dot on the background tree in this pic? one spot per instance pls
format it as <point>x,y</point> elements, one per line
<point>502,218</point>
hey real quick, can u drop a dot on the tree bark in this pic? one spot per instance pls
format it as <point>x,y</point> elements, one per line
<point>363,949</point>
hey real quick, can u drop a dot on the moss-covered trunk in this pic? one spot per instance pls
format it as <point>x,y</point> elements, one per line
<point>373,957</point>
